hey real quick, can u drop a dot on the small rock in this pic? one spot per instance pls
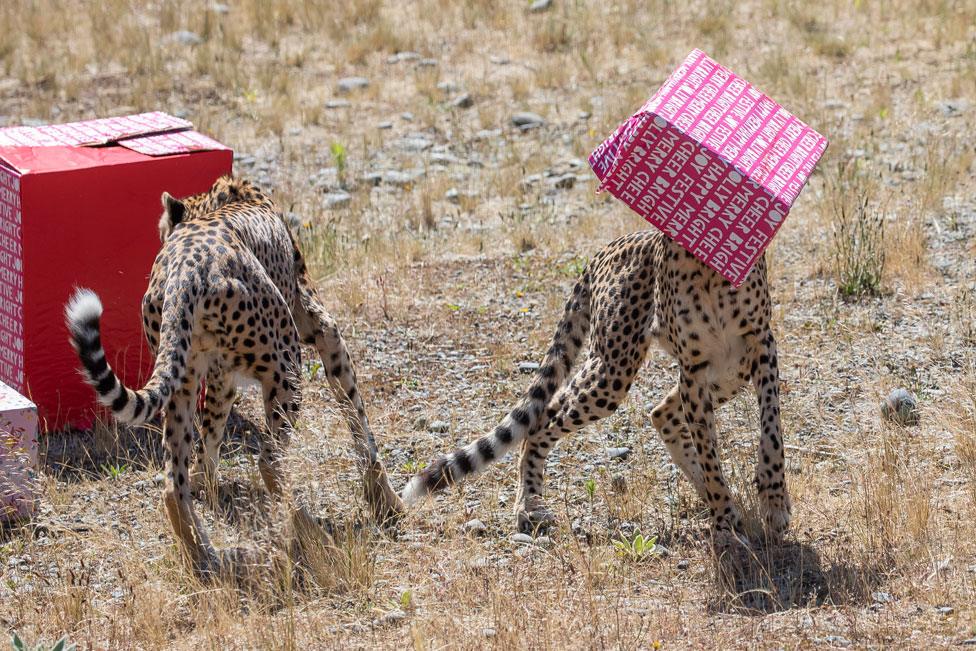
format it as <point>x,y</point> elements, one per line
<point>395,177</point>
<point>499,60</point>
<point>349,84</point>
<point>528,367</point>
<point>440,426</point>
<point>402,56</point>
<point>463,101</point>
<point>565,182</point>
<point>683,564</point>
<point>443,158</point>
<point>901,408</point>
<point>837,640</point>
<point>391,617</point>
<point>526,121</point>
<point>185,37</point>
<point>414,143</point>
<point>945,610</point>
<point>475,526</point>
<point>488,632</point>
<point>406,116</point>
<point>427,63</point>
<point>618,453</point>
<point>538,6</point>
<point>337,103</point>
<point>447,86</point>
<point>583,116</point>
<point>384,125</point>
<point>662,551</point>
<point>337,199</point>
<point>882,597</point>
<point>522,539</point>
<point>373,178</point>
<point>453,195</point>
<point>970,642</point>
<point>220,8</point>
<point>953,107</point>
<point>487,134</point>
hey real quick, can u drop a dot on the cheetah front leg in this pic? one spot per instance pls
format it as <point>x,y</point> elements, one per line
<point>696,402</point>
<point>770,470</point>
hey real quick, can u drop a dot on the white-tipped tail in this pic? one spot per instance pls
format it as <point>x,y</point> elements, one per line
<point>83,306</point>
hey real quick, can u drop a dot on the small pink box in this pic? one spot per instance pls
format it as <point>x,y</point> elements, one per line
<point>712,162</point>
<point>18,454</point>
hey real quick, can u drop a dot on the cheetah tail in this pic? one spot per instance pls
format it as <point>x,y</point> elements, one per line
<point>83,315</point>
<point>529,415</point>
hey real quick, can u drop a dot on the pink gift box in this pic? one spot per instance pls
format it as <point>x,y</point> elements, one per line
<point>712,162</point>
<point>18,454</point>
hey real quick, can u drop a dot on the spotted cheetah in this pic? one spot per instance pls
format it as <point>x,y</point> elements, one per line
<point>642,288</point>
<point>229,301</point>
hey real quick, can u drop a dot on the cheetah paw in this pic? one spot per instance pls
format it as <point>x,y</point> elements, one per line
<point>535,520</point>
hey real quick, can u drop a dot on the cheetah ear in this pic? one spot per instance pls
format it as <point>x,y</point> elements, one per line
<point>173,212</point>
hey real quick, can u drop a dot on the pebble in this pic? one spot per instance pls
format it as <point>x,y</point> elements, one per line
<point>185,37</point>
<point>522,539</point>
<point>901,408</point>
<point>384,125</point>
<point>953,107</point>
<point>453,195</point>
<point>945,610</point>
<point>683,564</point>
<point>526,121</point>
<point>337,103</point>
<point>565,182</point>
<point>487,134</point>
<point>538,6</point>
<point>414,143</point>
<point>443,158</point>
<point>447,86</point>
<point>528,367</point>
<point>403,56</point>
<point>349,84</point>
<point>882,597</point>
<point>337,199</point>
<point>464,100</point>
<point>373,178</point>
<point>475,526</point>
<point>220,8</point>
<point>970,642</point>
<point>618,453</point>
<point>395,177</point>
<point>427,63</point>
<point>440,426</point>
<point>406,116</point>
<point>488,632</point>
<point>837,640</point>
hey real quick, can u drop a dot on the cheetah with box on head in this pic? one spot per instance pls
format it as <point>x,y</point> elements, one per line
<point>229,299</point>
<point>639,288</point>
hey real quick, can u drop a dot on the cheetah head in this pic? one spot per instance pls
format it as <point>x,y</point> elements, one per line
<point>225,190</point>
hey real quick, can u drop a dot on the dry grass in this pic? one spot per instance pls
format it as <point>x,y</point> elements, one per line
<point>441,298</point>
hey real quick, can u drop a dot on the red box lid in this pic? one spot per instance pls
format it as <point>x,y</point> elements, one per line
<point>150,134</point>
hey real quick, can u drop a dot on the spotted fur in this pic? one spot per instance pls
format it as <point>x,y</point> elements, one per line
<point>229,299</point>
<point>644,288</point>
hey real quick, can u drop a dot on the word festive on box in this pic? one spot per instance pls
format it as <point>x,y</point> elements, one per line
<point>712,162</point>
<point>18,454</point>
<point>79,206</point>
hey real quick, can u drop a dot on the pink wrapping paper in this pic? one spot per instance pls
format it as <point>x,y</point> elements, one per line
<point>18,454</point>
<point>712,162</point>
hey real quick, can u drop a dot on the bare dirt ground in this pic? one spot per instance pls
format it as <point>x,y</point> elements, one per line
<point>445,240</point>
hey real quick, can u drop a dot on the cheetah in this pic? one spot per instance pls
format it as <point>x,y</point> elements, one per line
<point>229,301</point>
<point>640,288</point>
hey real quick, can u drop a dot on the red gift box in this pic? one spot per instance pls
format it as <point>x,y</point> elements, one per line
<point>711,161</point>
<point>79,206</point>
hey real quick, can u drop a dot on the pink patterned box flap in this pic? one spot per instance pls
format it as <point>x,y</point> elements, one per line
<point>711,161</point>
<point>153,134</point>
